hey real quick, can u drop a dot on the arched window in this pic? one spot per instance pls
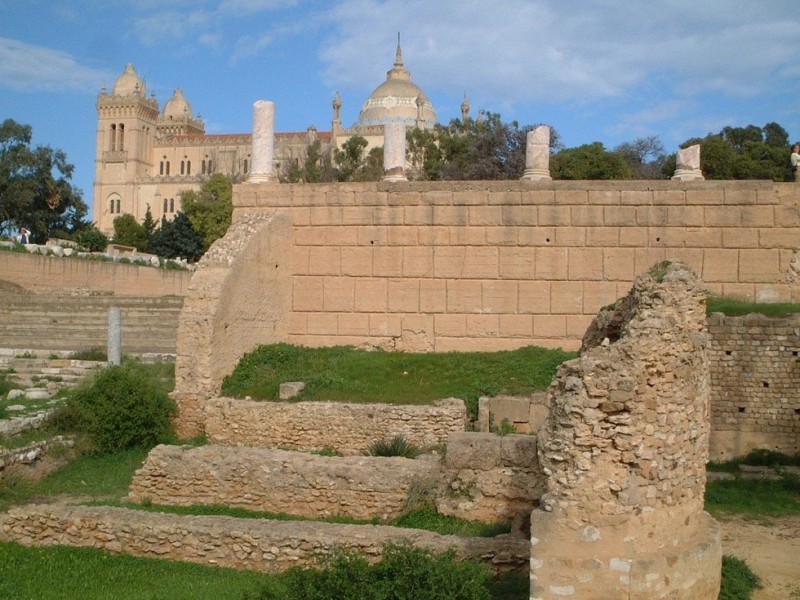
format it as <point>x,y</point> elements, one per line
<point>119,210</point>
<point>111,206</point>
<point>161,168</point>
<point>165,206</point>
<point>172,205</point>
<point>121,137</point>
<point>188,167</point>
<point>113,137</point>
<point>183,166</point>
<point>245,165</point>
<point>167,167</point>
<point>210,170</point>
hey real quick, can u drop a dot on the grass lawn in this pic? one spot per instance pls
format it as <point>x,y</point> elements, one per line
<point>350,375</point>
<point>737,308</point>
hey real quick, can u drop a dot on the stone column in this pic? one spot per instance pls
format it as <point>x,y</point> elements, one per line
<point>394,152</point>
<point>263,153</point>
<point>537,155</point>
<point>688,164</point>
<point>114,348</point>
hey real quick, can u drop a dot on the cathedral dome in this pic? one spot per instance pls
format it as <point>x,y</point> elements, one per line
<point>397,100</point>
<point>177,107</point>
<point>129,83</point>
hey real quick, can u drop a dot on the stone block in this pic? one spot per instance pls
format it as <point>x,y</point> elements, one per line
<point>587,216</point>
<point>552,263</point>
<point>387,261</point>
<point>433,295</point>
<point>291,389</point>
<point>356,261</point>
<point>517,263</point>
<point>585,264</point>
<point>448,262</point>
<point>480,263</point>
<point>499,296</point>
<point>418,261</point>
<point>570,236</point>
<point>338,294</point>
<point>566,297</point>
<point>534,297</point>
<point>403,295</point>
<point>371,294</point>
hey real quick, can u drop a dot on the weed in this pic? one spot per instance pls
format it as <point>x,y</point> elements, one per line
<point>738,580</point>
<point>92,354</point>
<point>736,308</point>
<point>397,446</point>
<point>659,271</point>
<point>326,451</point>
<point>506,427</point>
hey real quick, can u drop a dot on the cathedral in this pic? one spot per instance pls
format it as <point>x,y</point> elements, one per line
<point>147,155</point>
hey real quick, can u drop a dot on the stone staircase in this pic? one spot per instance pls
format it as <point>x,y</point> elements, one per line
<point>59,322</point>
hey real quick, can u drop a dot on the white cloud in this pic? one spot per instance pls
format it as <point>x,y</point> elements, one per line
<point>248,7</point>
<point>549,50</point>
<point>26,67</point>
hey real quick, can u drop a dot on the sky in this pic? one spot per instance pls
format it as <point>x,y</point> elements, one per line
<point>594,70</point>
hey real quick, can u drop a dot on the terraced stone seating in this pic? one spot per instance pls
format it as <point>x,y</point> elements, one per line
<point>61,322</point>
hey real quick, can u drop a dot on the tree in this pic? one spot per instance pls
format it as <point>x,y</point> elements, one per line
<point>590,161</point>
<point>749,152</point>
<point>645,156</point>
<point>317,166</point>
<point>210,210</point>
<point>177,238</point>
<point>149,223</point>
<point>92,239</point>
<point>128,232</point>
<point>35,188</point>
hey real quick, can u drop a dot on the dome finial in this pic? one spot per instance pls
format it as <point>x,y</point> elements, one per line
<point>398,58</point>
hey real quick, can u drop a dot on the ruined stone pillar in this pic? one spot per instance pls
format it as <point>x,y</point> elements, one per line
<point>537,155</point>
<point>263,153</point>
<point>114,348</point>
<point>624,449</point>
<point>688,164</point>
<point>394,152</point>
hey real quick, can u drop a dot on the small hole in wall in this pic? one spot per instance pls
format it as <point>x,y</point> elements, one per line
<point>797,411</point>
<point>742,409</point>
<point>795,353</point>
<point>547,240</point>
<point>371,242</point>
<point>765,384</point>
<point>728,352</point>
<point>658,239</point>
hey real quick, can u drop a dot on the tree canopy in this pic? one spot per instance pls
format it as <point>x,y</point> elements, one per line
<point>35,188</point>
<point>210,209</point>
<point>749,152</point>
<point>590,161</point>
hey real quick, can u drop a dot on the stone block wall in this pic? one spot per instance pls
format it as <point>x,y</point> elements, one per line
<point>347,428</point>
<point>496,265</point>
<point>755,376</point>
<point>490,478</point>
<point>251,544</point>
<point>279,481</point>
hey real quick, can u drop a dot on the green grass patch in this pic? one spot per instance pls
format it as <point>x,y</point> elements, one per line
<point>59,573</point>
<point>347,374</point>
<point>738,580</point>
<point>758,498</point>
<point>430,520</point>
<point>737,308</point>
<point>93,354</point>
<point>90,475</point>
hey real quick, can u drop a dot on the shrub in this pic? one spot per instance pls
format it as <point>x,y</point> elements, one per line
<point>96,354</point>
<point>405,573</point>
<point>397,446</point>
<point>123,407</point>
<point>738,580</point>
<point>92,239</point>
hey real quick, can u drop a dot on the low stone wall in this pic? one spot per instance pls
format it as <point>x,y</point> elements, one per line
<point>252,544</point>
<point>755,374</point>
<point>347,428</point>
<point>525,414</point>
<point>491,478</point>
<point>294,483</point>
<point>30,460</point>
<point>62,275</point>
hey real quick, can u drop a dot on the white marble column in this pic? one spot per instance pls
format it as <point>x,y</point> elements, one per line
<point>687,166</point>
<point>394,152</point>
<point>537,154</point>
<point>263,152</point>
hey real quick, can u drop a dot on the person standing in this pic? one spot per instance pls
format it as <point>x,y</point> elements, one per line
<point>795,160</point>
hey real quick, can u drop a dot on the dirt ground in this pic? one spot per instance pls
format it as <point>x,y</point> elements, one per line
<point>771,547</point>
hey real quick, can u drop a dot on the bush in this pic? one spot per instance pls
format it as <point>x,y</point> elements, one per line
<point>405,573</point>
<point>397,446</point>
<point>92,239</point>
<point>123,407</point>
<point>738,580</point>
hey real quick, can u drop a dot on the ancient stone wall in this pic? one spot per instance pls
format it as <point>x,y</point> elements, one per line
<point>252,544</point>
<point>624,449</point>
<point>347,428</point>
<point>279,481</point>
<point>238,298</point>
<point>496,265</point>
<point>755,375</point>
<point>62,275</point>
<point>490,478</point>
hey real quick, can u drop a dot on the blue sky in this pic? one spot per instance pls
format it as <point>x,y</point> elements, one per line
<point>595,70</point>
